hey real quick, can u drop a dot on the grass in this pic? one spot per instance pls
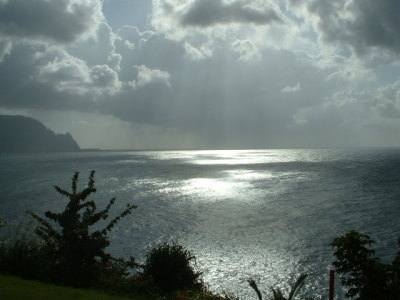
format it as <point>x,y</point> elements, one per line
<point>17,288</point>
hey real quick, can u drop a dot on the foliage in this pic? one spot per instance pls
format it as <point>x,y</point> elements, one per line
<point>254,286</point>
<point>277,293</point>
<point>78,252</point>
<point>364,275</point>
<point>169,266</point>
<point>202,294</point>
<point>64,248</point>
<point>115,274</point>
<point>16,288</point>
<point>21,253</point>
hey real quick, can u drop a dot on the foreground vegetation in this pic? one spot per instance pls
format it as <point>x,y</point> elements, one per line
<point>69,249</point>
<point>16,288</point>
<point>363,274</point>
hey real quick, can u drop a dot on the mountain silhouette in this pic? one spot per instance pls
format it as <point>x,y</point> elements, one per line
<point>23,134</point>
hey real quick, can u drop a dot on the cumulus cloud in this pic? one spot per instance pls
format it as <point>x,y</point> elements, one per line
<point>98,49</point>
<point>146,76</point>
<point>5,48</point>
<point>66,73</point>
<point>71,74</point>
<point>224,100</point>
<point>133,35</point>
<point>292,89</point>
<point>387,100</point>
<point>217,79</point>
<point>62,21</point>
<point>246,49</point>
<point>200,53</point>
<point>150,49</point>
<point>210,12</point>
<point>104,78</point>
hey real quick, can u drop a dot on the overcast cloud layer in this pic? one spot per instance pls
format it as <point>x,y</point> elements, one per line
<point>208,73</point>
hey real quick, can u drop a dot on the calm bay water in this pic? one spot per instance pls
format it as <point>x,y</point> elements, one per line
<point>262,214</point>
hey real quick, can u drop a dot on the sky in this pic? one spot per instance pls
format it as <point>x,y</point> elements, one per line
<point>205,74</point>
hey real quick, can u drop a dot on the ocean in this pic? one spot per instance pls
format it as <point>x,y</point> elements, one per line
<point>266,215</point>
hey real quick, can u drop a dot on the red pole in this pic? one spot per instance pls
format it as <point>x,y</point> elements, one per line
<point>331,284</point>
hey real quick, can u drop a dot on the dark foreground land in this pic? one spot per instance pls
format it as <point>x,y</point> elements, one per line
<point>16,288</point>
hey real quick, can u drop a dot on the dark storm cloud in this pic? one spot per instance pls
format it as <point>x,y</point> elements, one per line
<point>210,12</point>
<point>223,99</point>
<point>362,24</point>
<point>20,90</point>
<point>61,20</point>
<point>226,90</point>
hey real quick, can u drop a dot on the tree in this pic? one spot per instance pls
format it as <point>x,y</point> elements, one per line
<point>77,250</point>
<point>365,276</point>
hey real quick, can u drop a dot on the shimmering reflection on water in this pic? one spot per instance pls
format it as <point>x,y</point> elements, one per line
<point>262,214</point>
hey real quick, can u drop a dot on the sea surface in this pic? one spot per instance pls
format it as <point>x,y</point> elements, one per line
<point>266,215</point>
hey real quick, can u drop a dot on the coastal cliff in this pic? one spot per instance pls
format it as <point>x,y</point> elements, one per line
<point>23,134</point>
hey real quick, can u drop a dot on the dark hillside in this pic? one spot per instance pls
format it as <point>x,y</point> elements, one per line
<point>23,134</point>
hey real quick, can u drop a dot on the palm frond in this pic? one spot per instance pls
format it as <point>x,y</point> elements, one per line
<point>297,286</point>
<point>254,286</point>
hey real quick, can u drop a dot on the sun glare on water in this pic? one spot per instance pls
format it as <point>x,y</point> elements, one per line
<point>216,188</point>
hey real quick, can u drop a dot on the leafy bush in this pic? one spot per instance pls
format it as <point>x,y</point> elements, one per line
<point>71,252</point>
<point>203,294</point>
<point>116,275</point>
<point>364,275</point>
<point>78,251</point>
<point>22,254</point>
<point>169,266</point>
<point>277,293</point>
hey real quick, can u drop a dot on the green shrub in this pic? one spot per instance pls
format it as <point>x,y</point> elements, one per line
<point>21,253</point>
<point>169,266</point>
<point>116,275</point>
<point>277,293</point>
<point>363,274</point>
<point>78,252</point>
<point>203,294</point>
